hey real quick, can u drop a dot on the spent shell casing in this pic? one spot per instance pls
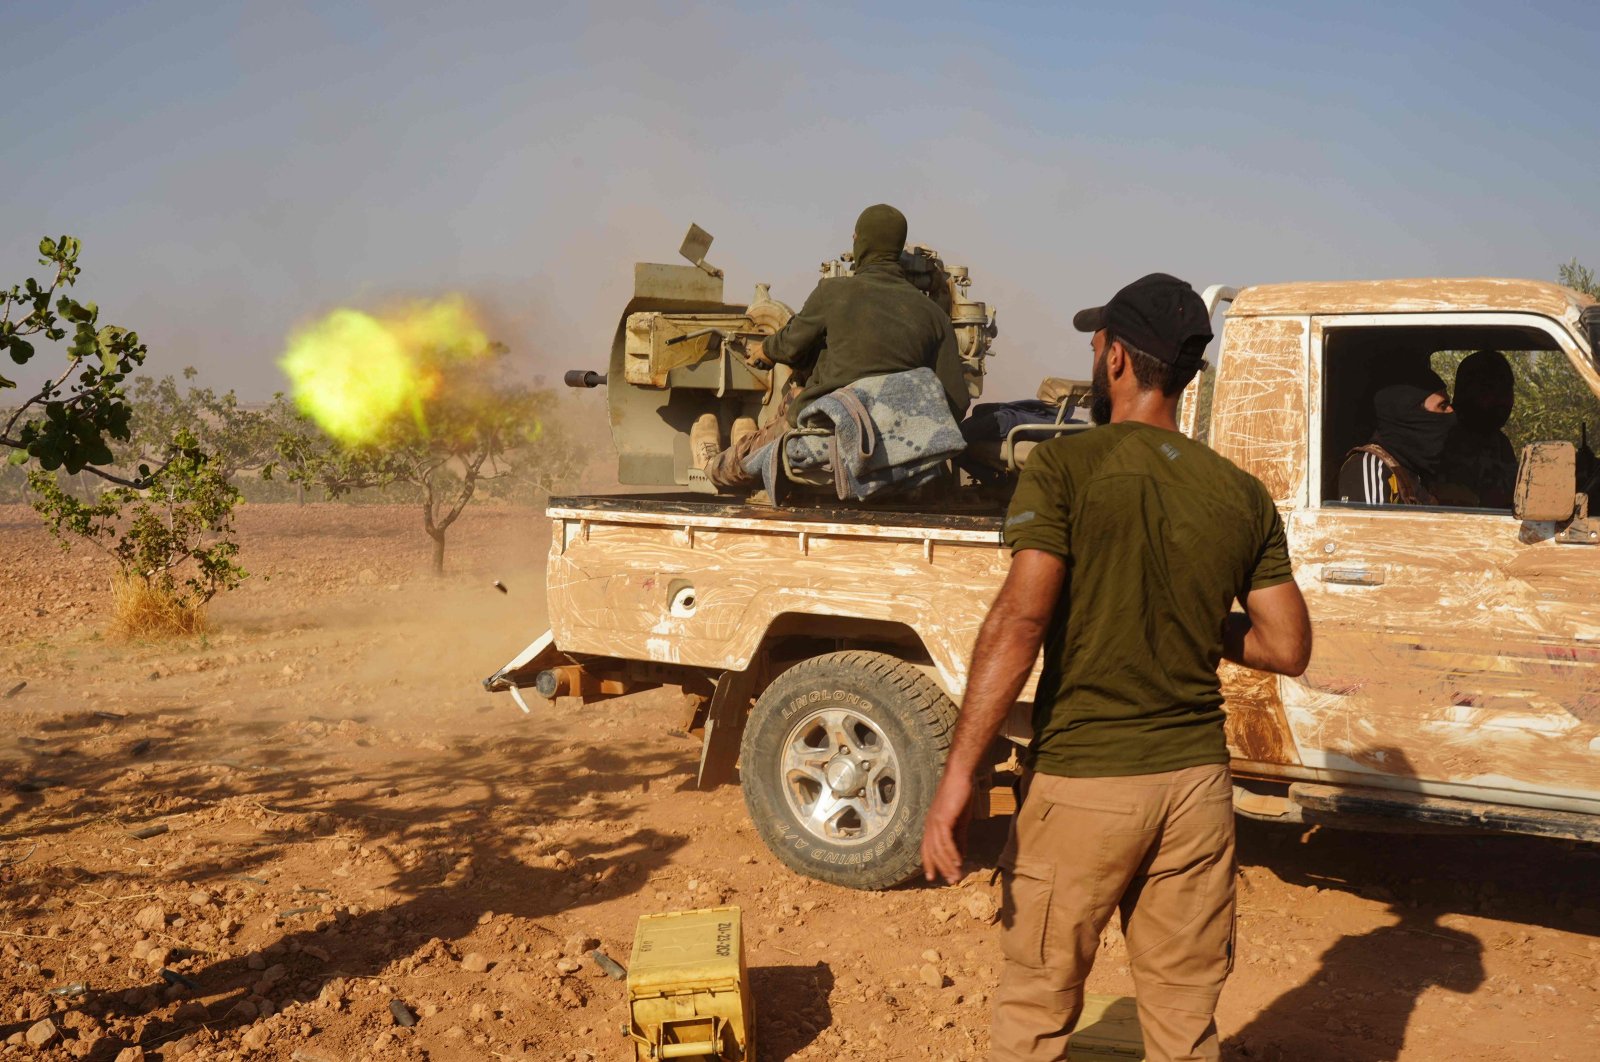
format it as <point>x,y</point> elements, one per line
<point>612,968</point>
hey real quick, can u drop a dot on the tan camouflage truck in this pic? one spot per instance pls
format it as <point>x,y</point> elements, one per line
<point>822,649</point>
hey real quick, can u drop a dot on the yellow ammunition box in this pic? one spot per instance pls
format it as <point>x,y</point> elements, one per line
<point>1107,1031</point>
<point>688,991</point>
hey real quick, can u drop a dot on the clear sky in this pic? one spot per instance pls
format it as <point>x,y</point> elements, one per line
<point>237,169</point>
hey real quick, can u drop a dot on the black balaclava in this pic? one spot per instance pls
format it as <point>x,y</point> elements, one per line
<point>1485,392</point>
<point>1414,435</point>
<point>880,235</point>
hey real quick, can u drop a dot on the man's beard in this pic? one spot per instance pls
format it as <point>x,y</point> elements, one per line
<point>1100,394</point>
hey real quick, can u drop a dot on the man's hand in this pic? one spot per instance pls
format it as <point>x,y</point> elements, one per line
<point>755,355</point>
<point>1008,644</point>
<point>944,831</point>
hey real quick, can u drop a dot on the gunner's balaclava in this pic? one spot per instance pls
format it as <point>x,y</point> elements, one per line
<point>880,235</point>
<point>1414,435</point>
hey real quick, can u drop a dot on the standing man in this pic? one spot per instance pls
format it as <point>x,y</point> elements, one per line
<point>871,323</point>
<point>1130,544</point>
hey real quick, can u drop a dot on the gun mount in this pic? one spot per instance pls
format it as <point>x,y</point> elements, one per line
<point>680,350</point>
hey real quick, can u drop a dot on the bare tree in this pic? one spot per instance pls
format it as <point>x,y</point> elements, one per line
<point>477,429</point>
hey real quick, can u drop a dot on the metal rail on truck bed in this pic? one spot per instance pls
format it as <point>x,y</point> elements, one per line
<point>986,519</point>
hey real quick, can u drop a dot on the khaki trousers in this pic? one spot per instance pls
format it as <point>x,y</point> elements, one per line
<point>1159,848</point>
<point>726,470</point>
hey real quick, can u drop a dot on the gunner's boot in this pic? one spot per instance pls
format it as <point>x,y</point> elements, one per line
<point>743,428</point>
<point>705,441</point>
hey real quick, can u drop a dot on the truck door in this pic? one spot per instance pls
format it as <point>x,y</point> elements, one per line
<point>1255,395</point>
<point>1457,648</point>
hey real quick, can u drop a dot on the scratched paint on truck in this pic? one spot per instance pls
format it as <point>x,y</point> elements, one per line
<point>1455,652</point>
<point>1468,658</point>
<point>609,592</point>
<point>1259,406</point>
<point>1413,295</point>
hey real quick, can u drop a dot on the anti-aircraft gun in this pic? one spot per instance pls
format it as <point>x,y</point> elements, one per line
<point>681,350</point>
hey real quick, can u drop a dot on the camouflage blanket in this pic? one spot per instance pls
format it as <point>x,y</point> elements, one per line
<point>884,433</point>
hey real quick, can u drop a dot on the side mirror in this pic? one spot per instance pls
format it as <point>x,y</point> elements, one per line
<point>1547,482</point>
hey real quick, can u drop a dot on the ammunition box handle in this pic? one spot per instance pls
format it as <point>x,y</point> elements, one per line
<point>698,1049</point>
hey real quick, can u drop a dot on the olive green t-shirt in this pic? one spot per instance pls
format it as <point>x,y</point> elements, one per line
<point>1160,536</point>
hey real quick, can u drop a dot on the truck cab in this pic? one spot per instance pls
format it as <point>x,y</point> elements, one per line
<point>1457,647</point>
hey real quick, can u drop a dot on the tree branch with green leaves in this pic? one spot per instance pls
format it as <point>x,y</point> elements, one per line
<point>71,418</point>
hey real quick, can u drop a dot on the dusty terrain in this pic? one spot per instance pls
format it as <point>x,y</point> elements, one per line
<point>350,822</point>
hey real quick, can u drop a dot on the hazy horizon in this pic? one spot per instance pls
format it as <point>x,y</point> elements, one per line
<point>235,171</point>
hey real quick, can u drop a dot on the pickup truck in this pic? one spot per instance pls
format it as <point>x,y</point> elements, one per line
<point>822,648</point>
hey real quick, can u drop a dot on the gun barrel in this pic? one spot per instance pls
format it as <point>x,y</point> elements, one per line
<point>584,378</point>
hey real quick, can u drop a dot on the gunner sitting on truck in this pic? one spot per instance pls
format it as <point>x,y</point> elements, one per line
<point>872,323</point>
<point>1413,422</point>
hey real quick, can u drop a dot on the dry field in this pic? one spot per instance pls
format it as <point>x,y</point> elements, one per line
<point>351,823</point>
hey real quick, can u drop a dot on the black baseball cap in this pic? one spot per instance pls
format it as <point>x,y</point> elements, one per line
<point>1159,314</point>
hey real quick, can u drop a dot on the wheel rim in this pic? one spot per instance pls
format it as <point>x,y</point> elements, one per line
<point>841,776</point>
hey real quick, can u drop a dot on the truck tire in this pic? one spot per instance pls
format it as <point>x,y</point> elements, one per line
<point>839,763</point>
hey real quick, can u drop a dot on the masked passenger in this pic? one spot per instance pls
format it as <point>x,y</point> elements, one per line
<point>1413,421</point>
<point>1479,466</point>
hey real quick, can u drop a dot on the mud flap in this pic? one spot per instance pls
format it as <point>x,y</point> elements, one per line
<point>730,706</point>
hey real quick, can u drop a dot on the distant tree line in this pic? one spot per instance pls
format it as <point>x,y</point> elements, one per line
<point>501,441</point>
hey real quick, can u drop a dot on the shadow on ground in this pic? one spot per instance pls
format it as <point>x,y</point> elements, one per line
<point>793,1004</point>
<point>474,802</point>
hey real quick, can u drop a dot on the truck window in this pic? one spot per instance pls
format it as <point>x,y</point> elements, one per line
<point>1548,401</point>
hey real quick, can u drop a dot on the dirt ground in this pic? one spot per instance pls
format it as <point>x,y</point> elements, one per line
<point>351,824</point>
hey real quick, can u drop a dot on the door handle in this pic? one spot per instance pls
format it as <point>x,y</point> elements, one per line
<point>1352,575</point>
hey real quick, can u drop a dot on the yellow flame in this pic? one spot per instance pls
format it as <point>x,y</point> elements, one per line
<point>356,373</point>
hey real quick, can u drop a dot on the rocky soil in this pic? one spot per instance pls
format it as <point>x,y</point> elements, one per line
<point>310,835</point>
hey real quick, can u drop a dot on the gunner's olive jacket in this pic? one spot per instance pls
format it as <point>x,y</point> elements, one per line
<point>870,324</point>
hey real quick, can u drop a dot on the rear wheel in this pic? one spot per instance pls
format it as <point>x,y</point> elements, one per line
<point>839,763</point>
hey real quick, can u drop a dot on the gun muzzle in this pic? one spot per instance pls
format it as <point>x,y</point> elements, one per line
<point>584,378</point>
